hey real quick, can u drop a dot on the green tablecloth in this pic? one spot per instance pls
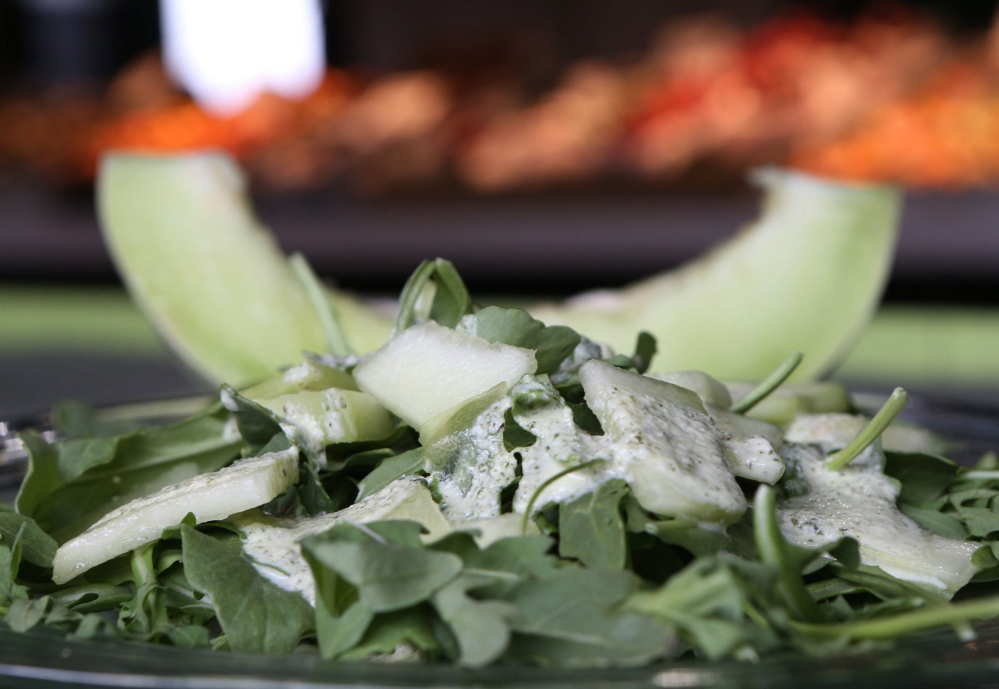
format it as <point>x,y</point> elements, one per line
<point>904,345</point>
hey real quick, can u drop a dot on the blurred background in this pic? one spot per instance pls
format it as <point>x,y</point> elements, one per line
<point>545,146</point>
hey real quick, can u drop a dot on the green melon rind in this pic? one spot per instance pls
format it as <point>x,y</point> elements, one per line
<point>806,276</point>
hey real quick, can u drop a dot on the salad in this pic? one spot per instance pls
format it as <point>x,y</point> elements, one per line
<point>485,488</point>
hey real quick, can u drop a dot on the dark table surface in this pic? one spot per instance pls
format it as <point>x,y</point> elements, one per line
<point>575,241</point>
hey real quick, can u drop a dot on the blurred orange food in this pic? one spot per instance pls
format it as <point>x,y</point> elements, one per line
<point>888,97</point>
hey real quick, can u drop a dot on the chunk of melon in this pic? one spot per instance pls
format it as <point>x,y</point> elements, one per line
<point>662,442</point>
<point>427,371</point>
<point>806,276</point>
<point>241,486</point>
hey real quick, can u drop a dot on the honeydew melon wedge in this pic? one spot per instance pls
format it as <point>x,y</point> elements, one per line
<point>206,273</point>
<point>805,277</point>
<point>241,486</point>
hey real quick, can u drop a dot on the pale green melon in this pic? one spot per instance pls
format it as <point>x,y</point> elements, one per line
<point>427,371</point>
<point>203,269</point>
<point>805,277</point>
<point>216,495</point>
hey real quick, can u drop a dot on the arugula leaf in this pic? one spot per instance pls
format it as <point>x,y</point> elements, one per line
<point>390,469</point>
<point>584,417</point>
<point>390,631</point>
<point>10,565</point>
<point>96,597</point>
<point>573,619</point>
<point>256,423</point>
<point>256,615</point>
<point>434,291</point>
<point>479,627</point>
<point>78,456</point>
<point>72,419</point>
<point>923,477</point>
<point>38,547</point>
<point>591,528</point>
<point>338,634</point>
<point>936,521</point>
<point>505,562</point>
<point>384,561</point>
<point>645,350</point>
<point>515,435</point>
<point>552,344</point>
<point>719,604</point>
<point>24,614</point>
<point>687,534</point>
<point>312,496</point>
<point>341,619</point>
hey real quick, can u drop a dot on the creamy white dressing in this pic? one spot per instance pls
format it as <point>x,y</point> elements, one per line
<point>560,444</point>
<point>750,445</point>
<point>859,501</point>
<point>753,458</point>
<point>472,487</point>
<point>274,545</point>
<point>667,449</point>
<point>832,432</point>
<point>835,430</point>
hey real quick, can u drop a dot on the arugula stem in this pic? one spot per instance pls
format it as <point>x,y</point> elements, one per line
<point>769,384</point>
<point>871,432</point>
<point>772,549</point>
<point>374,535</point>
<point>905,623</point>
<point>547,482</point>
<point>143,570</point>
<point>980,475</point>
<point>182,406</point>
<point>410,297</point>
<point>336,340</point>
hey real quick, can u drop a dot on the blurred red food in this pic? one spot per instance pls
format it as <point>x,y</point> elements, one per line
<point>889,97</point>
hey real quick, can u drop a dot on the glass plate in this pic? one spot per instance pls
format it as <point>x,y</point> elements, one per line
<point>931,660</point>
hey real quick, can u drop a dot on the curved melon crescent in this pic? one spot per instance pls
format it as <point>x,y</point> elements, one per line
<point>806,276</point>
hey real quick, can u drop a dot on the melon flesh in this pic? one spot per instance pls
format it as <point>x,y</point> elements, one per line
<point>427,371</point>
<point>805,277</point>
<point>659,439</point>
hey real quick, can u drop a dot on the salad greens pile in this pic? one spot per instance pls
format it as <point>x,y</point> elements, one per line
<point>567,511</point>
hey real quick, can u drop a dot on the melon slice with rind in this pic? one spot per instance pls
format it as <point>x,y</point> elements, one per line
<point>806,276</point>
<point>205,271</point>
<point>243,485</point>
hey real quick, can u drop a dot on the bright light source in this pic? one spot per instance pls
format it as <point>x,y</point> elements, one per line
<point>226,52</point>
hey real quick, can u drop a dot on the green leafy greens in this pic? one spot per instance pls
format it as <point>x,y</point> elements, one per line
<point>519,529</point>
